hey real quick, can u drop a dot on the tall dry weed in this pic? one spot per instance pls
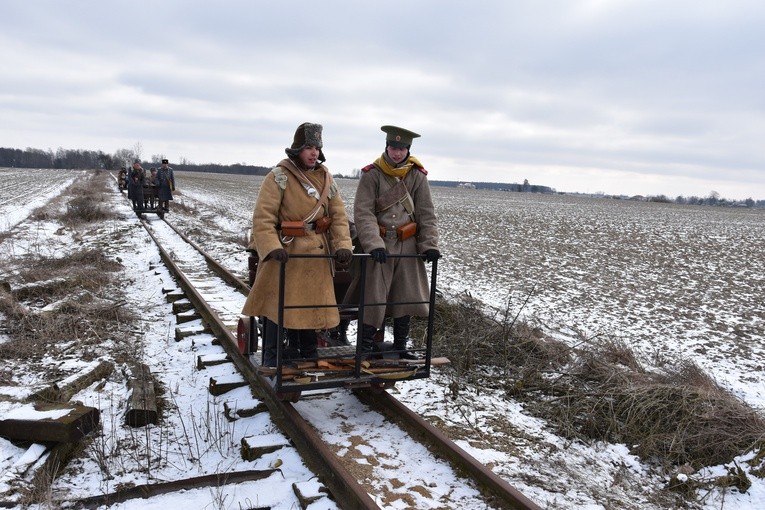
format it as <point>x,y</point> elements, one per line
<point>87,202</point>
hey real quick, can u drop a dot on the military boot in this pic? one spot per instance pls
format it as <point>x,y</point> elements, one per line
<point>339,335</point>
<point>401,336</point>
<point>368,344</point>
<point>292,347</point>
<point>269,332</point>
<point>271,339</point>
<point>308,344</point>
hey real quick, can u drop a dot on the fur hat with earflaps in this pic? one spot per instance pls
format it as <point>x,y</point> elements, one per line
<point>306,134</point>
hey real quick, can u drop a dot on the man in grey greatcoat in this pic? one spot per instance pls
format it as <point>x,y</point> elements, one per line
<point>165,185</point>
<point>394,214</point>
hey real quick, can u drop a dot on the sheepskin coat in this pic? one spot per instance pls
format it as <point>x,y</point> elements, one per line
<point>308,281</point>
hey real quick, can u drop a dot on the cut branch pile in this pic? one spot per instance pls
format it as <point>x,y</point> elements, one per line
<point>598,390</point>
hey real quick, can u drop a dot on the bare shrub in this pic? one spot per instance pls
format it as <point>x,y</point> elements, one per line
<point>49,278</point>
<point>34,334</point>
<point>242,240</point>
<point>38,492</point>
<point>84,210</point>
<point>180,206</point>
<point>758,462</point>
<point>43,213</point>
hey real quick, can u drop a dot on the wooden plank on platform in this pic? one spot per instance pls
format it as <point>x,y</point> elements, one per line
<point>338,366</point>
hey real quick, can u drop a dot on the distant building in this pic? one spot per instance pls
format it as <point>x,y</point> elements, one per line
<point>467,185</point>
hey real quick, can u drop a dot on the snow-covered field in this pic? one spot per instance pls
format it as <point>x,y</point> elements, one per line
<point>669,280</point>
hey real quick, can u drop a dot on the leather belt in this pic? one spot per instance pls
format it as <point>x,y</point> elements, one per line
<point>388,233</point>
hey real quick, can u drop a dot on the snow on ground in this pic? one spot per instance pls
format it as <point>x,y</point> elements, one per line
<point>702,303</point>
<point>21,192</point>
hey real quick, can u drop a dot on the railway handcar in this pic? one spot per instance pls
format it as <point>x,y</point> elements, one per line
<point>151,202</point>
<point>339,363</point>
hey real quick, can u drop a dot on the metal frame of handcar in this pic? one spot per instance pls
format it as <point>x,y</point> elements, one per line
<point>156,209</point>
<point>359,376</point>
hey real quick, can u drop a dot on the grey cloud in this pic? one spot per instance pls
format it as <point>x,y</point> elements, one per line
<point>669,88</point>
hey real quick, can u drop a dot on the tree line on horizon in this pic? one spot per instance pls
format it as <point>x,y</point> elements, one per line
<point>122,158</point>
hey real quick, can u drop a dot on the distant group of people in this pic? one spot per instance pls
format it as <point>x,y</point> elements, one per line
<point>155,189</point>
<point>299,210</point>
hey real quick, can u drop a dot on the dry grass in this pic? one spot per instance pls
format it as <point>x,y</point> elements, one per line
<point>63,306</point>
<point>600,390</point>
<point>58,300</point>
<point>73,297</point>
<point>83,210</point>
<point>180,206</point>
<point>674,417</point>
<point>242,240</point>
<point>87,202</point>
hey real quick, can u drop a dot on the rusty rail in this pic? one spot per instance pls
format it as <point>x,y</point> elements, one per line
<point>344,487</point>
<point>488,482</point>
<point>216,267</point>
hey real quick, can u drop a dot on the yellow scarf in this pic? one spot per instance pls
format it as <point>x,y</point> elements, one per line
<point>397,171</point>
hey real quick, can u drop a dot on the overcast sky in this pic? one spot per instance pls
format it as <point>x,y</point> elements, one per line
<point>624,97</point>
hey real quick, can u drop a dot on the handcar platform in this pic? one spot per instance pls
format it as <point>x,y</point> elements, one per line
<point>339,366</point>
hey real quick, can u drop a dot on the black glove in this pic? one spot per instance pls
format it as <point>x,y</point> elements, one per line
<point>279,254</point>
<point>431,255</point>
<point>343,256</point>
<point>379,255</point>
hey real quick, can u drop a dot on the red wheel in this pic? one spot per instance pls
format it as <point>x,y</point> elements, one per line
<point>243,335</point>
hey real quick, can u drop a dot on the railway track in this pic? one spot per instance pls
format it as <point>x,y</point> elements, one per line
<point>217,296</point>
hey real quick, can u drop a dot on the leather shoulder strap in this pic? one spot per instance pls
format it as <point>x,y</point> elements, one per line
<point>324,191</point>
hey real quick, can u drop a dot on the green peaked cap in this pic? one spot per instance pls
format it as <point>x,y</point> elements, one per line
<point>399,137</point>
